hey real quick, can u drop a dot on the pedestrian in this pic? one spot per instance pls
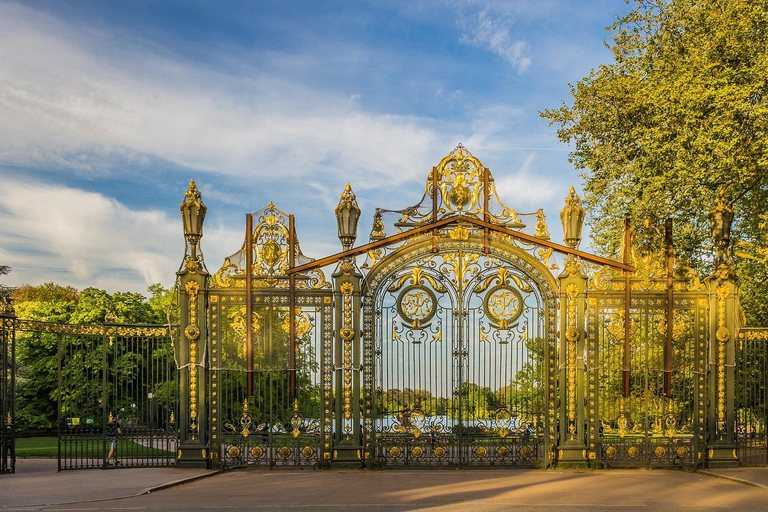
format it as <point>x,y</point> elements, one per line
<point>113,428</point>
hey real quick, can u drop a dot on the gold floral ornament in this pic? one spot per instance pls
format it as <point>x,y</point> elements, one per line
<point>458,186</point>
<point>270,257</point>
<point>303,322</point>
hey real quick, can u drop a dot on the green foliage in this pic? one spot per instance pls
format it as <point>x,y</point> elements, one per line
<point>82,357</point>
<point>47,292</point>
<point>681,111</point>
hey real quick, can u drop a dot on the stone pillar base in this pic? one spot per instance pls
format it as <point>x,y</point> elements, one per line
<point>192,456</point>
<point>347,456</point>
<point>723,456</point>
<point>572,456</point>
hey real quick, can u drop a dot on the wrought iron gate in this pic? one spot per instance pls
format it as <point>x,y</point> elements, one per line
<point>270,398</point>
<point>117,385</point>
<point>635,418</point>
<point>7,389</point>
<point>751,397</point>
<point>462,354</point>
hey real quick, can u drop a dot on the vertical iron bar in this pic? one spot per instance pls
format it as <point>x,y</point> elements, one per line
<point>249,302</point>
<point>486,214</point>
<point>627,299</point>
<point>670,251</point>
<point>58,398</point>
<point>434,208</point>
<point>13,394</point>
<point>460,300</point>
<point>292,304</point>
<point>104,406</point>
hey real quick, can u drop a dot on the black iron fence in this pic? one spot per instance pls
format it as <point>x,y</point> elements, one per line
<point>7,394</point>
<point>750,406</point>
<point>117,394</point>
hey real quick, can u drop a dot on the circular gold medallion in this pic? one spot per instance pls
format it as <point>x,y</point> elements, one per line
<point>526,452</point>
<point>439,452</point>
<point>502,452</point>
<point>256,452</point>
<point>417,305</point>
<point>460,196</point>
<point>394,452</point>
<point>417,452</point>
<point>233,452</point>
<point>633,452</point>
<point>503,305</point>
<point>284,452</point>
<point>307,452</point>
<point>271,253</point>
<point>347,333</point>
<point>682,451</point>
<point>660,451</point>
<point>611,452</point>
<point>192,332</point>
<point>481,451</point>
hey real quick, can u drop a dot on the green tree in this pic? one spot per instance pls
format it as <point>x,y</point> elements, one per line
<point>681,111</point>
<point>5,290</point>
<point>37,353</point>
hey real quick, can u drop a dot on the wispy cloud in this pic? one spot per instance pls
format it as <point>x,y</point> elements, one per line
<point>94,240</point>
<point>75,99</point>
<point>493,31</point>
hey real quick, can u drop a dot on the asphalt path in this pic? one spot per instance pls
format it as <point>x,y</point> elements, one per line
<point>379,491</point>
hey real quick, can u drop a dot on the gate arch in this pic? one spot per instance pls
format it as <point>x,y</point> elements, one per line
<point>462,349</point>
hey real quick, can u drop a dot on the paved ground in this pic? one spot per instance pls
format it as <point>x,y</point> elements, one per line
<point>36,483</point>
<point>37,486</point>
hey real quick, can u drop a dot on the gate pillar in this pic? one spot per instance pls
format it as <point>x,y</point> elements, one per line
<point>190,348</point>
<point>572,449</point>
<point>573,287</point>
<point>7,386</point>
<point>347,447</point>
<point>723,331</point>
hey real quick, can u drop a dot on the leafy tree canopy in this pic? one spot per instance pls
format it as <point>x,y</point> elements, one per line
<point>37,353</point>
<point>682,111</point>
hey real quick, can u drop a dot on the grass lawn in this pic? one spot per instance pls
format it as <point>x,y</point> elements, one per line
<point>84,447</point>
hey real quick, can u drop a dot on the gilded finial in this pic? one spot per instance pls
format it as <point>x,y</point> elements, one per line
<point>192,196</point>
<point>541,225</point>
<point>347,199</point>
<point>377,232</point>
<point>572,217</point>
<point>347,215</point>
<point>720,219</point>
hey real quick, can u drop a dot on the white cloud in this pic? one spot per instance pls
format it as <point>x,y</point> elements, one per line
<point>71,96</point>
<point>55,233</point>
<point>494,33</point>
<point>526,189</point>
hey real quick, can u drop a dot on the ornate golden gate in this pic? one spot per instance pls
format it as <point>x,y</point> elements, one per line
<point>458,342</point>
<point>460,337</point>
<point>268,379</point>
<point>464,342</point>
<point>647,378</point>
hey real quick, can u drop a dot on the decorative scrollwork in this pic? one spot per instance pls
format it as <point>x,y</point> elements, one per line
<point>270,257</point>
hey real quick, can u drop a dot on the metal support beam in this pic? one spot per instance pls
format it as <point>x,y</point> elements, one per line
<point>627,303</point>
<point>670,259</point>
<point>334,258</point>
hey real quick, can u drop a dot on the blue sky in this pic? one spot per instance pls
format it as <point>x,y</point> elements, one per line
<point>107,109</point>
